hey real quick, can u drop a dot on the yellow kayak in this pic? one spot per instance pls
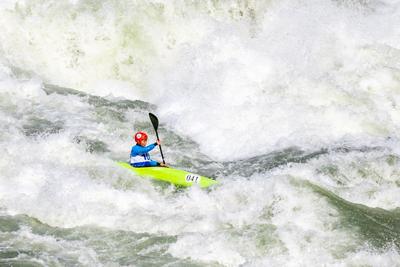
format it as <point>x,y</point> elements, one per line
<point>171,175</point>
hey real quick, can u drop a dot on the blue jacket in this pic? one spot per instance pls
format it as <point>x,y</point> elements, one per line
<point>140,156</point>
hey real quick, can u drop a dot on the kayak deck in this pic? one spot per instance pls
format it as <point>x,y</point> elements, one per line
<point>171,175</point>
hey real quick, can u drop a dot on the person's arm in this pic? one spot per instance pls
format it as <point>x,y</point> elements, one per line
<point>139,150</point>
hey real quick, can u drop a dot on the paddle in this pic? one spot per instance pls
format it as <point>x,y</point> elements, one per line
<point>154,121</point>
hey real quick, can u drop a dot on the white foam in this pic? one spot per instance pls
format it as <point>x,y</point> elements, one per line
<point>283,74</point>
<point>306,91</point>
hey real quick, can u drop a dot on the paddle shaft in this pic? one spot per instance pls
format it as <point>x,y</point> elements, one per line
<point>154,121</point>
<point>162,155</point>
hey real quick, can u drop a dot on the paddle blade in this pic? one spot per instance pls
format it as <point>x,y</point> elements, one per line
<point>154,120</point>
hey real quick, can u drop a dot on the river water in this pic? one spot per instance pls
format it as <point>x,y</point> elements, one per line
<point>292,105</point>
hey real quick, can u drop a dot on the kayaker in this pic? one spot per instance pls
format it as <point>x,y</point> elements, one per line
<point>140,156</point>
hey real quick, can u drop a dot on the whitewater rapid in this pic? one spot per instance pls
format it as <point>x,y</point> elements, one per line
<point>293,106</point>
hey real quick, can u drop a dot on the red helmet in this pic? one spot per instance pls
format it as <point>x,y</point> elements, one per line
<point>139,136</point>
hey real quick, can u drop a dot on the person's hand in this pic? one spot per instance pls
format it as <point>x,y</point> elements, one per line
<point>158,142</point>
<point>163,165</point>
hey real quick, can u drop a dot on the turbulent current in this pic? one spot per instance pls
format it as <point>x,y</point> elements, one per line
<point>292,105</point>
